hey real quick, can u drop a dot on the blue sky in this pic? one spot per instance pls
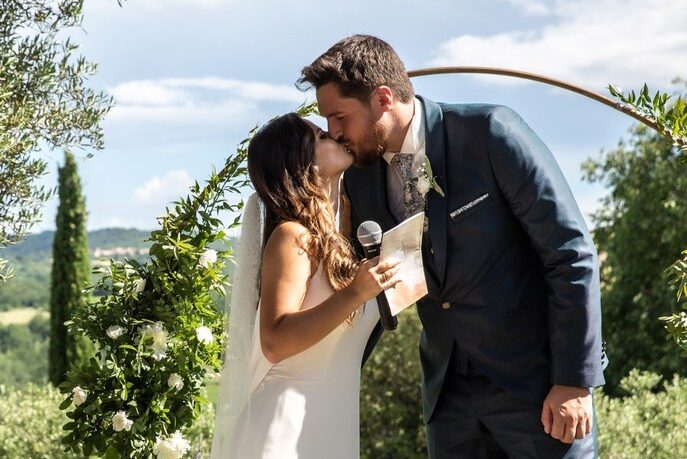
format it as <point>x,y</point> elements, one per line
<point>191,77</point>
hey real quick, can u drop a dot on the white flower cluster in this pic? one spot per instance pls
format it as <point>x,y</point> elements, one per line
<point>207,258</point>
<point>175,381</point>
<point>115,331</point>
<point>204,335</point>
<point>423,183</point>
<point>426,180</point>
<point>79,396</point>
<point>172,447</point>
<point>121,422</point>
<point>159,334</point>
<point>139,285</point>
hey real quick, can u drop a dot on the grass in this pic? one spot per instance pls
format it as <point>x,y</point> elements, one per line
<point>19,316</point>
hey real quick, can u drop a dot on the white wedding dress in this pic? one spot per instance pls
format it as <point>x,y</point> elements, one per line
<point>307,406</point>
<point>304,407</point>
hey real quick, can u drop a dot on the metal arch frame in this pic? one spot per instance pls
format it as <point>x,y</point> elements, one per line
<point>541,79</point>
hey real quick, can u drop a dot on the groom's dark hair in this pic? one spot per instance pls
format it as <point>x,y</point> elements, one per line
<point>358,65</point>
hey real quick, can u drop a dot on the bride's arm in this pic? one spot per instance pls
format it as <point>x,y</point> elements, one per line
<point>285,330</point>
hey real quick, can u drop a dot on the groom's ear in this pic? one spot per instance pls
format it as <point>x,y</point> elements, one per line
<point>383,98</point>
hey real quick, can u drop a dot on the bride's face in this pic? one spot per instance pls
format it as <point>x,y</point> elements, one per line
<point>331,157</point>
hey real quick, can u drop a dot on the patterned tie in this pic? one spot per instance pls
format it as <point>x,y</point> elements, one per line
<point>413,200</point>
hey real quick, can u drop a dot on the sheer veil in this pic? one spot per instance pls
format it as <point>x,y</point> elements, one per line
<point>241,363</point>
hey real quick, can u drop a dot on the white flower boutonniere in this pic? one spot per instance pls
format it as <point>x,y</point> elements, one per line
<point>427,181</point>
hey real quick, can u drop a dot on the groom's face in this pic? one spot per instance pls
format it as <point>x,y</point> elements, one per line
<point>353,124</point>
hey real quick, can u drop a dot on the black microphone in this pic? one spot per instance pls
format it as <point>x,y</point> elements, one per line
<point>370,237</point>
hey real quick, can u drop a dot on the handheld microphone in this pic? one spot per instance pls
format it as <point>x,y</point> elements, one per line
<point>370,237</point>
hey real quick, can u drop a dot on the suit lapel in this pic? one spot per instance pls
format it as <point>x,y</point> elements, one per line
<point>437,206</point>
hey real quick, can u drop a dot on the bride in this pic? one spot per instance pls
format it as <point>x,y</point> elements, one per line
<point>291,381</point>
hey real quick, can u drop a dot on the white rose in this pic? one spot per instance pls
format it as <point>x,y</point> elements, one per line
<point>115,331</point>
<point>423,185</point>
<point>121,422</point>
<point>175,381</point>
<point>159,334</point>
<point>204,335</point>
<point>207,258</point>
<point>172,447</point>
<point>139,285</point>
<point>79,396</point>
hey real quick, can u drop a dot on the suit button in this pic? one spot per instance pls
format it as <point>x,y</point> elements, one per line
<point>445,305</point>
<point>431,251</point>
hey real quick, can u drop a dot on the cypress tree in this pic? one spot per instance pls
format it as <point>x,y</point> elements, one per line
<point>70,273</point>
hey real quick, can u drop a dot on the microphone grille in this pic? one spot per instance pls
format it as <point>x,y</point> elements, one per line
<point>369,233</point>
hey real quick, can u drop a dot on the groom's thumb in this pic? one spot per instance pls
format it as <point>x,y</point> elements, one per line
<point>546,417</point>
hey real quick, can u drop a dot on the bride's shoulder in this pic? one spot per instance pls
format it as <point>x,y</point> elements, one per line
<point>287,237</point>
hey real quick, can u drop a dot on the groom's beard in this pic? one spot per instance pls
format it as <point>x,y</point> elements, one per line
<point>373,148</point>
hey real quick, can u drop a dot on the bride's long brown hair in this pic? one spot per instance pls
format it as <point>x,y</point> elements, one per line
<point>281,165</point>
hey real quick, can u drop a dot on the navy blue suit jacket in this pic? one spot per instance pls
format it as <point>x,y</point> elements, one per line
<point>507,247</point>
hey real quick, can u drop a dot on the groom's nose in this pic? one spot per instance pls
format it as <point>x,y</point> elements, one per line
<point>334,130</point>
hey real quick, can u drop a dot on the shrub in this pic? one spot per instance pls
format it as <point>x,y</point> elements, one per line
<point>647,423</point>
<point>31,425</point>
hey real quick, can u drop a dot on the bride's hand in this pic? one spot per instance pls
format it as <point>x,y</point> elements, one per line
<point>374,277</point>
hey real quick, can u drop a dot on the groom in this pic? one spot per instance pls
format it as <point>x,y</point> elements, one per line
<point>511,340</point>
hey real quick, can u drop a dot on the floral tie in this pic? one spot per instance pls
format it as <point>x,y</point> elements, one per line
<point>413,200</point>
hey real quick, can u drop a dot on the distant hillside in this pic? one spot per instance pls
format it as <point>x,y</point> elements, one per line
<point>32,262</point>
<point>40,245</point>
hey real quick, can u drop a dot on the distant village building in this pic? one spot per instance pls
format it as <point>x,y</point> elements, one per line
<point>99,252</point>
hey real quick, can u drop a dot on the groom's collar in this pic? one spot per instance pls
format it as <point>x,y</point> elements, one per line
<point>414,140</point>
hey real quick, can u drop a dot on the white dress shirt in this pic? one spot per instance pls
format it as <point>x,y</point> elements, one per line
<point>413,144</point>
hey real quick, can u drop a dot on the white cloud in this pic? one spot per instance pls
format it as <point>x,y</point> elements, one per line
<point>191,113</point>
<point>254,90</point>
<point>162,190</point>
<point>589,42</point>
<point>146,92</point>
<point>196,100</point>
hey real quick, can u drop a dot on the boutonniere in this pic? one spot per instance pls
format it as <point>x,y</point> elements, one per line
<point>426,180</point>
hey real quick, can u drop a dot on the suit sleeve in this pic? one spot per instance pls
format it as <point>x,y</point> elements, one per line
<point>378,330</point>
<point>540,198</point>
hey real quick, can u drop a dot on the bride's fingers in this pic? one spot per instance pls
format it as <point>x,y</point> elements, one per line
<point>388,278</point>
<point>390,273</point>
<point>391,283</point>
<point>386,265</point>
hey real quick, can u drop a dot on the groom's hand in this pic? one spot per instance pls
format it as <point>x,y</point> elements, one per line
<point>567,413</point>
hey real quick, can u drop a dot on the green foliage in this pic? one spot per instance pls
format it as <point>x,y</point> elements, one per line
<point>23,353</point>
<point>638,234</point>
<point>648,423</point>
<point>155,321</point>
<point>44,102</point>
<point>31,261</point>
<point>676,324</point>
<point>391,422</point>
<point>34,428</point>
<point>71,271</point>
<point>669,116</point>
<point>667,112</point>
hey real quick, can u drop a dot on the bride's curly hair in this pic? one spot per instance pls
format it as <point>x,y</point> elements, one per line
<point>281,165</point>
